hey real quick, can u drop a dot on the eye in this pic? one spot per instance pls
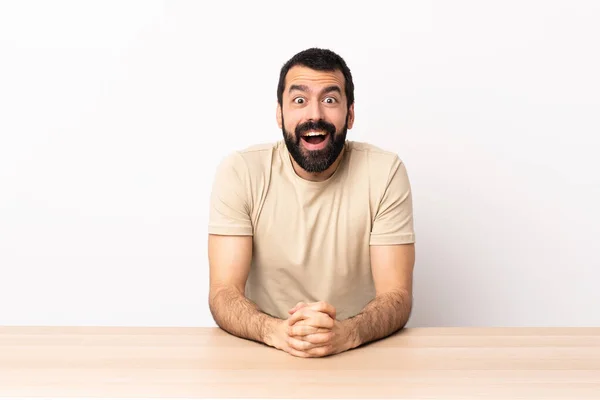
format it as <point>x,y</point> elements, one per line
<point>299,100</point>
<point>330,100</point>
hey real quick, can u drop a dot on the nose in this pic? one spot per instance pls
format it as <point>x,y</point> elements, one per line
<point>313,111</point>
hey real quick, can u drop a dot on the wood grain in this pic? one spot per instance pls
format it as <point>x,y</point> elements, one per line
<point>417,363</point>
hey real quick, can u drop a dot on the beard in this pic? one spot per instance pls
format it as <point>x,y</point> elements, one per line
<point>315,161</point>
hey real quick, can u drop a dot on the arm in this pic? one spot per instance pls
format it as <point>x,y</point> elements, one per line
<point>230,253</point>
<point>388,312</point>
<point>229,261</point>
<point>392,262</point>
<point>230,244</point>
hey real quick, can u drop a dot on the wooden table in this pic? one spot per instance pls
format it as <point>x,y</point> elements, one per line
<point>418,363</point>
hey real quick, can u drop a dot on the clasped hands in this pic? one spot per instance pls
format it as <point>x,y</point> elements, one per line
<point>312,330</point>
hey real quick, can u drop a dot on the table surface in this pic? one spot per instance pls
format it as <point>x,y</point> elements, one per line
<point>417,363</point>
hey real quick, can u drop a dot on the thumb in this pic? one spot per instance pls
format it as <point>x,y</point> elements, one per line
<point>298,306</point>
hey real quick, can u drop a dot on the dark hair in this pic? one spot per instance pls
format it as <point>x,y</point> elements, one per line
<point>320,60</point>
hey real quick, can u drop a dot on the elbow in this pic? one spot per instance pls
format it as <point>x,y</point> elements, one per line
<point>406,310</point>
<point>215,303</point>
<point>220,301</point>
<point>403,305</point>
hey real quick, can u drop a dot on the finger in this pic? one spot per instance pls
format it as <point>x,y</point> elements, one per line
<point>301,345</point>
<point>313,318</point>
<point>324,307</point>
<point>321,306</point>
<point>298,353</point>
<point>295,308</point>
<point>299,315</point>
<point>303,330</point>
<point>298,306</point>
<point>318,338</point>
<point>321,351</point>
<point>307,313</point>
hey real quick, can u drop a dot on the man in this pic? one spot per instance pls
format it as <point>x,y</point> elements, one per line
<point>311,241</point>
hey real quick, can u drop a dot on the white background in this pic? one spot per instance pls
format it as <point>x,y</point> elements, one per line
<point>114,115</point>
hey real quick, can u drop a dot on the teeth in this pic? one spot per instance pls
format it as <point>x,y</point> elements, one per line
<point>315,134</point>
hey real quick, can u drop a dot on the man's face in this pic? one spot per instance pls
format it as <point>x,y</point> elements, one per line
<point>314,117</point>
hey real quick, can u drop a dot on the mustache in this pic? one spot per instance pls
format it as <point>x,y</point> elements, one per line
<point>320,125</point>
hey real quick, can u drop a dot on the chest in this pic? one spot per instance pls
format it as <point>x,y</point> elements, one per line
<point>300,225</point>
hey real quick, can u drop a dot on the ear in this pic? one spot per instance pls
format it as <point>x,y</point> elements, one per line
<point>351,116</point>
<point>279,119</point>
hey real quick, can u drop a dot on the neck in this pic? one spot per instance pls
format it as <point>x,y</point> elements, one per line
<point>318,176</point>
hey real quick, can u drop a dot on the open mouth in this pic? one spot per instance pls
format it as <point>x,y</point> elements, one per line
<point>315,138</point>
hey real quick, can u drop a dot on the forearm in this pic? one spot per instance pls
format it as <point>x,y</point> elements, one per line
<point>384,315</point>
<point>236,314</point>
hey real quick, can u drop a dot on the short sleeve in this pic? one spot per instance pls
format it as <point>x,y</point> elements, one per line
<point>393,223</point>
<point>229,200</point>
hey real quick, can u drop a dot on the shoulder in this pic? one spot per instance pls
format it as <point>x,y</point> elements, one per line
<point>376,158</point>
<point>251,160</point>
<point>381,167</point>
<point>257,153</point>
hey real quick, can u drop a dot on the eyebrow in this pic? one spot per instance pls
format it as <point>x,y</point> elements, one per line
<point>304,88</point>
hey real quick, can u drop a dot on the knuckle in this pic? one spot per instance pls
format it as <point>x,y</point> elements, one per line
<point>324,338</point>
<point>314,352</point>
<point>317,338</point>
<point>312,338</point>
<point>322,351</point>
<point>298,354</point>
